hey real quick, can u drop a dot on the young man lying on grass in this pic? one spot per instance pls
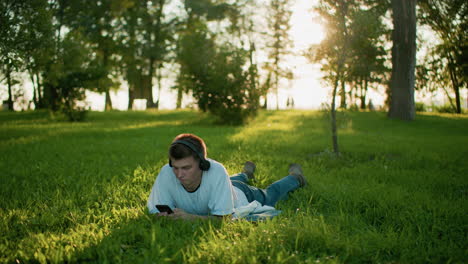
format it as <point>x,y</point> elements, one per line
<point>194,186</point>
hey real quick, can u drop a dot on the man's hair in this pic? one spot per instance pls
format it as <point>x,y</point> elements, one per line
<point>180,151</point>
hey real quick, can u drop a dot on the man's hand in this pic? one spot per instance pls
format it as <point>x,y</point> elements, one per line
<point>181,214</point>
<point>178,214</point>
<point>162,214</point>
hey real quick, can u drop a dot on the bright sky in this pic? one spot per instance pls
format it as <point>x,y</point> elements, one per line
<point>306,89</point>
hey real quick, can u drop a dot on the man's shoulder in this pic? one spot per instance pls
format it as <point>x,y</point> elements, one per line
<point>216,166</point>
<point>217,172</point>
<point>166,168</point>
<point>165,171</point>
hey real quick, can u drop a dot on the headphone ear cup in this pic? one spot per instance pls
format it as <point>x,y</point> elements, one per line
<point>204,165</point>
<point>170,163</point>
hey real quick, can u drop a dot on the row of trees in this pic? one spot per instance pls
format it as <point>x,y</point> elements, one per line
<point>66,47</point>
<point>355,55</point>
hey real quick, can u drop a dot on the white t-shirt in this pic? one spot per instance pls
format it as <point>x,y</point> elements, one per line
<point>215,196</point>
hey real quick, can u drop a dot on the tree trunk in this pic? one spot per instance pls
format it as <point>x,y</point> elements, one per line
<point>131,95</point>
<point>158,77</point>
<point>265,89</point>
<point>449,98</point>
<point>351,94</point>
<point>34,86</point>
<point>10,93</point>
<point>40,92</point>
<point>403,59</point>
<point>108,106</point>
<point>457,99</point>
<point>276,90</point>
<point>455,83</point>
<point>343,95</point>
<point>364,94</point>
<point>105,62</point>
<point>149,85</point>
<point>179,98</point>
<point>333,120</point>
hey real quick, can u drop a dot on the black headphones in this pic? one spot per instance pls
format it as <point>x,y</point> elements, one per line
<point>204,164</point>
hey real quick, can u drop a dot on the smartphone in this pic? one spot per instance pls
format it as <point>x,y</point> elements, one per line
<point>164,208</point>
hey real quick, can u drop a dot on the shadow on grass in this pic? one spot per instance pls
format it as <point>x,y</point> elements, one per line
<point>147,239</point>
<point>29,116</point>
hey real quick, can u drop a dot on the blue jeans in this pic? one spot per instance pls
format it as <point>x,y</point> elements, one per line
<point>271,195</point>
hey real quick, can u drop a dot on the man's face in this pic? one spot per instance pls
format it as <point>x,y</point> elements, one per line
<point>187,171</point>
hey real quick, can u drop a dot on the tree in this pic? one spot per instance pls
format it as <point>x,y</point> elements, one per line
<point>193,33</point>
<point>97,23</point>
<point>11,44</point>
<point>448,18</point>
<point>26,30</point>
<point>352,52</point>
<point>39,38</point>
<point>214,65</point>
<point>402,82</point>
<point>244,30</point>
<point>57,57</point>
<point>73,72</point>
<point>433,75</point>
<point>333,51</point>
<point>39,48</point>
<point>279,15</point>
<point>367,53</point>
<point>145,35</point>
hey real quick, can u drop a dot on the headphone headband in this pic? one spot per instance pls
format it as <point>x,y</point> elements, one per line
<point>190,146</point>
<point>204,164</point>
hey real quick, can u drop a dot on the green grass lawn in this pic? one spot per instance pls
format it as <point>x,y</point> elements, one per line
<point>76,192</point>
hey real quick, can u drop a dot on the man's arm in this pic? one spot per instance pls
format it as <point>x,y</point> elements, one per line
<point>181,214</point>
<point>160,193</point>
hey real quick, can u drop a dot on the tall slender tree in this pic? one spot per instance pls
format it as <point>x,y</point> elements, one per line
<point>333,52</point>
<point>279,15</point>
<point>367,55</point>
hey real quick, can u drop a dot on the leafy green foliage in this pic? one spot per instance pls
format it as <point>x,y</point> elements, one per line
<point>353,52</point>
<point>143,41</point>
<point>222,87</point>
<point>445,109</point>
<point>73,72</point>
<point>216,74</point>
<point>77,192</point>
<point>25,32</point>
<point>420,107</point>
<point>445,65</point>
